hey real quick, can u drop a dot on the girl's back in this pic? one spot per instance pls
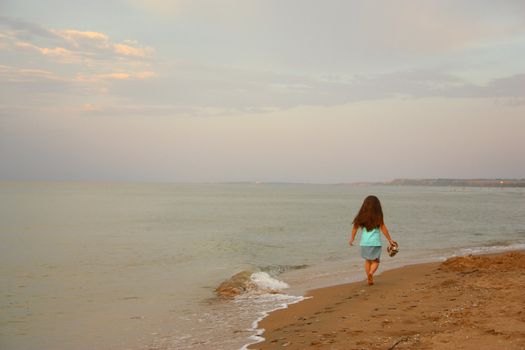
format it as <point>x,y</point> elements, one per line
<point>370,238</point>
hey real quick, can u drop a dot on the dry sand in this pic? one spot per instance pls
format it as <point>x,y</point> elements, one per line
<point>473,302</point>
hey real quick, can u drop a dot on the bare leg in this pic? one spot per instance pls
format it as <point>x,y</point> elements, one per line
<point>368,268</point>
<point>374,264</point>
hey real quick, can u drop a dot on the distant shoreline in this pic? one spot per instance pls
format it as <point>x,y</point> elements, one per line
<point>448,182</point>
<point>397,182</point>
<point>401,182</point>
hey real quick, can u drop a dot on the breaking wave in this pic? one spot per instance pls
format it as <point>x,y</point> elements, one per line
<point>498,247</point>
<point>250,282</point>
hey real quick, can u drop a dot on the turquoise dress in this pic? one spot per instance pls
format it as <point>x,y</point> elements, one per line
<point>370,243</point>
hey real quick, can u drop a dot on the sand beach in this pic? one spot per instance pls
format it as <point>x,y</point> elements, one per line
<point>469,302</point>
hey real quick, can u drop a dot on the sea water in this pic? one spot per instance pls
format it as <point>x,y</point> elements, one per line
<point>135,265</point>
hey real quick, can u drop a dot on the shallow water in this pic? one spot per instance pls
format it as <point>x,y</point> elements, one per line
<point>132,266</point>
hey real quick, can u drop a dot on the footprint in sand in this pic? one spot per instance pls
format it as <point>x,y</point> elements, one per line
<point>277,340</point>
<point>328,335</point>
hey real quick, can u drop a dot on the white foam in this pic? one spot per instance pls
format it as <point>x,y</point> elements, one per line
<point>490,249</point>
<point>257,337</point>
<point>266,282</point>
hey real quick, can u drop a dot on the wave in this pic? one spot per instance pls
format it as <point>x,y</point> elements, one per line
<point>284,301</point>
<point>250,282</point>
<point>278,269</point>
<point>498,247</point>
<point>266,282</point>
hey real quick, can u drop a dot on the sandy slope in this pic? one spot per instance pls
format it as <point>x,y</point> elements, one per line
<point>474,302</point>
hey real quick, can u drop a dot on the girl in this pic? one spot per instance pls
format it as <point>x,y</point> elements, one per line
<point>370,220</point>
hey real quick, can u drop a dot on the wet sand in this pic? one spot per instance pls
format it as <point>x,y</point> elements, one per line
<point>473,302</point>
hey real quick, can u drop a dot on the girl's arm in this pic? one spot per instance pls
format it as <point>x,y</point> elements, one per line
<point>354,232</point>
<point>386,233</point>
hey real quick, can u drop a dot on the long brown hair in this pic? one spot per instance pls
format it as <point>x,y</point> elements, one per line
<point>370,215</point>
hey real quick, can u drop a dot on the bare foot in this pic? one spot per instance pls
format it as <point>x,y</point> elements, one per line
<point>370,280</point>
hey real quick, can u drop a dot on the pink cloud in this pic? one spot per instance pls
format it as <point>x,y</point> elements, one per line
<point>81,39</point>
<point>71,33</point>
<point>115,76</point>
<point>14,74</point>
<point>126,49</point>
<point>59,54</point>
<point>94,58</point>
<point>76,46</point>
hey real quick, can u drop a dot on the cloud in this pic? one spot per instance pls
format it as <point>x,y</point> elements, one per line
<point>115,76</point>
<point>130,48</point>
<point>76,34</point>
<point>101,71</point>
<point>13,74</point>
<point>38,87</point>
<point>30,89</point>
<point>237,89</point>
<point>42,65</point>
<point>149,110</point>
<point>26,29</point>
<point>57,54</point>
<point>513,86</point>
<point>71,45</point>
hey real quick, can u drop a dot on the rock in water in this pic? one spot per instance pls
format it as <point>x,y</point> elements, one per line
<point>235,285</point>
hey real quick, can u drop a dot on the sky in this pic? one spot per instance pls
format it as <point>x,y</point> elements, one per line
<point>261,90</point>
